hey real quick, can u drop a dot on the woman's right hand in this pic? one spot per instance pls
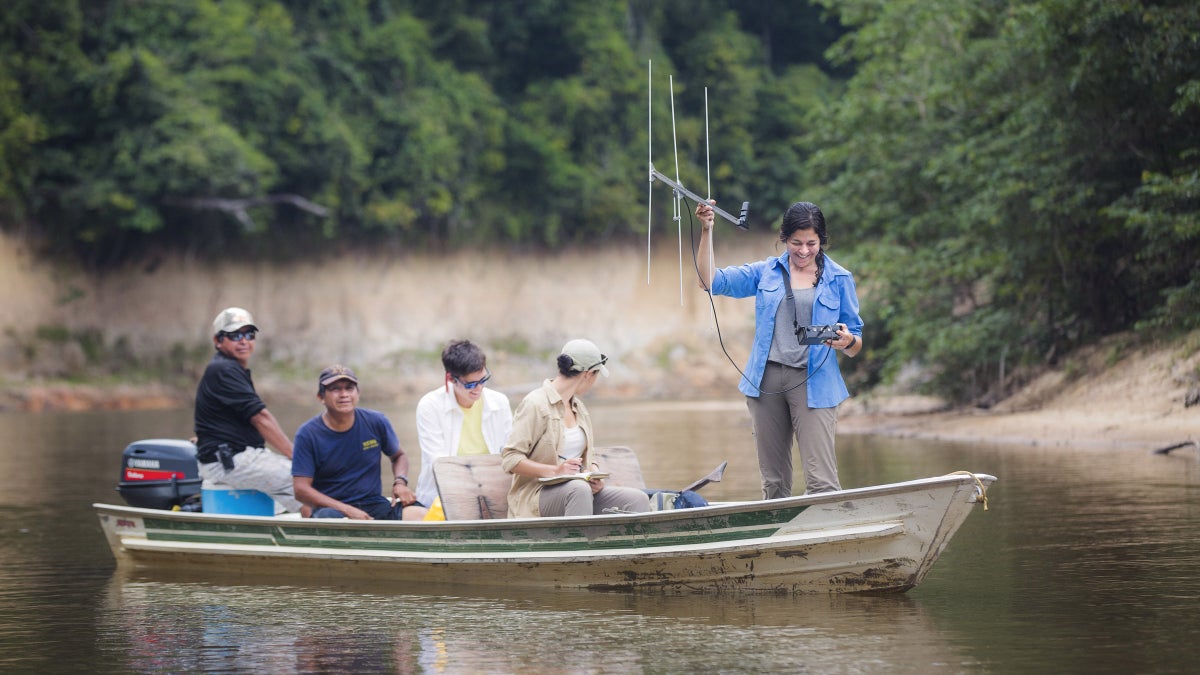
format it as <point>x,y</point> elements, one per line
<point>570,466</point>
<point>705,261</point>
<point>705,214</point>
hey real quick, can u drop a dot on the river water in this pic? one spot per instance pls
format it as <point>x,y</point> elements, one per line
<point>1087,561</point>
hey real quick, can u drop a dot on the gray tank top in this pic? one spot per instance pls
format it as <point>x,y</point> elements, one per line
<point>785,347</point>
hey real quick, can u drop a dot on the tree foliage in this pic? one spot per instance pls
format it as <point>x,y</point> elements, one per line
<point>1021,176</point>
<point>272,127</point>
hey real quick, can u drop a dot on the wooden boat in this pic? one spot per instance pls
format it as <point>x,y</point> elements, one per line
<point>873,539</point>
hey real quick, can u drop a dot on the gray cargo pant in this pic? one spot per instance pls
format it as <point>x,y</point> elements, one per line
<point>777,419</point>
<point>257,469</point>
<point>575,498</point>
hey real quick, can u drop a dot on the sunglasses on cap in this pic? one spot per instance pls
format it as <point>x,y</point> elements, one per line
<point>238,337</point>
<point>477,383</point>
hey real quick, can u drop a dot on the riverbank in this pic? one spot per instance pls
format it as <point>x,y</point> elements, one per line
<point>1107,395</point>
<point>137,338</point>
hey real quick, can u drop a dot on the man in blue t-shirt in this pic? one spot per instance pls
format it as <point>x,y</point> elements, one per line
<point>336,457</point>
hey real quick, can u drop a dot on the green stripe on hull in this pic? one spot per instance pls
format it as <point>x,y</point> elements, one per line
<point>498,538</point>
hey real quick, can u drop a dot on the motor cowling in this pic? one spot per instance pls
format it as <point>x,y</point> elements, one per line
<point>160,473</point>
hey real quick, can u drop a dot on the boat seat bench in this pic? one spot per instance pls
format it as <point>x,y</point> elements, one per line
<point>476,487</point>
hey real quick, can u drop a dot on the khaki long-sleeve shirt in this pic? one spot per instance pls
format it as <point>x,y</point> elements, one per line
<point>537,434</point>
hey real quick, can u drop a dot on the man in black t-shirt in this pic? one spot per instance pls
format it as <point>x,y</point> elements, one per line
<point>233,425</point>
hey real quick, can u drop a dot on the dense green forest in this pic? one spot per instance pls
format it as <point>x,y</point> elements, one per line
<point>1007,180</point>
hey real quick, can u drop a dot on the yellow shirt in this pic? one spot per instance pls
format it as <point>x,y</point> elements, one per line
<point>471,442</point>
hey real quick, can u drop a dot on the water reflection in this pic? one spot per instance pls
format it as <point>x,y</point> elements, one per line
<point>190,625</point>
<point>1086,561</point>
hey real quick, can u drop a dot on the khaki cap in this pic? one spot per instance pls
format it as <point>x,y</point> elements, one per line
<point>585,356</point>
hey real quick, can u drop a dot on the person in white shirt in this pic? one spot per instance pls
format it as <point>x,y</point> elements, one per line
<point>461,417</point>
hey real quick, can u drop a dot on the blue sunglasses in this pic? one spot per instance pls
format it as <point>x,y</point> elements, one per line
<point>238,337</point>
<point>477,383</point>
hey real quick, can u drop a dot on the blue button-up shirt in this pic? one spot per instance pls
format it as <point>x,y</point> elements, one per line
<point>836,301</point>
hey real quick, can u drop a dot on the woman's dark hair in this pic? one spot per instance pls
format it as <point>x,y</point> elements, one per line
<point>806,216</point>
<point>803,216</point>
<point>565,364</point>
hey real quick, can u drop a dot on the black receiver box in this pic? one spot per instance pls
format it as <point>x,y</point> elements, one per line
<point>815,335</point>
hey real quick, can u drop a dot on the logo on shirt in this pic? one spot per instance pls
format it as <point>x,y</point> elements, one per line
<point>370,444</point>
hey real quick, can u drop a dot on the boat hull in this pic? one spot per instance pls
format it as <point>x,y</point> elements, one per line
<point>879,539</point>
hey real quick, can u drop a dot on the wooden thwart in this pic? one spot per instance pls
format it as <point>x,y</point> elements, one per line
<point>475,487</point>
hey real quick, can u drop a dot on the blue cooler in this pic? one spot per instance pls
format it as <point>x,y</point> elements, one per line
<point>218,498</point>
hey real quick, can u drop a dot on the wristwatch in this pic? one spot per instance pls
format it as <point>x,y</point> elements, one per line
<point>400,478</point>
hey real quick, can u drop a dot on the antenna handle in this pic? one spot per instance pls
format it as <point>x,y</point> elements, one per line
<point>679,189</point>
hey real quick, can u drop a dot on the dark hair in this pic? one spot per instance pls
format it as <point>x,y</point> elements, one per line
<point>565,366</point>
<point>806,216</point>
<point>803,216</point>
<point>463,357</point>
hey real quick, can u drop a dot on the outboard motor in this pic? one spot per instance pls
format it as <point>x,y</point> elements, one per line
<point>160,473</point>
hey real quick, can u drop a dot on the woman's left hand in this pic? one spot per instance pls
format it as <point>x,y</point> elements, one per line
<point>597,484</point>
<point>845,339</point>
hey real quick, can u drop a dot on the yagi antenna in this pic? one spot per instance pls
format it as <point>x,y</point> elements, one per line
<point>678,199</point>
<point>676,185</point>
<point>681,192</point>
<point>707,166</point>
<point>650,144</point>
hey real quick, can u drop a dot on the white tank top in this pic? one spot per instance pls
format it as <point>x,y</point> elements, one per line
<point>573,442</point>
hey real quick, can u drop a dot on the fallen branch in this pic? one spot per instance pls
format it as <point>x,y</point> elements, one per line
<point>1169,448</point>
<point>239,207</point>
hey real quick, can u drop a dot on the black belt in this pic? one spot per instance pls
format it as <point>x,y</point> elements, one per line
<point>223,454</point>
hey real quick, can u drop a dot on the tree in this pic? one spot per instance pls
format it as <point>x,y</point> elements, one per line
<point>272,127</point>
<point>978,153</point>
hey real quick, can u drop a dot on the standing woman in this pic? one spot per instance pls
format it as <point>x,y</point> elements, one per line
<point>792,390</point>
<point>552,436</point>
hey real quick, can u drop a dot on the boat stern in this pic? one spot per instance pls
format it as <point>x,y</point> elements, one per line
<point>117,528</point>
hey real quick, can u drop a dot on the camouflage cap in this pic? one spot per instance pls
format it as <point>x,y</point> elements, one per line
<point>231,320</point>
<point>334,373</point>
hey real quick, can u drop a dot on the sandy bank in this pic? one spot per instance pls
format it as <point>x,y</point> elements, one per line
<point>1099,398</point>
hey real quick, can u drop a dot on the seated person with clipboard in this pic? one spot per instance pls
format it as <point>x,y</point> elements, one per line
<point>552,439</point>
